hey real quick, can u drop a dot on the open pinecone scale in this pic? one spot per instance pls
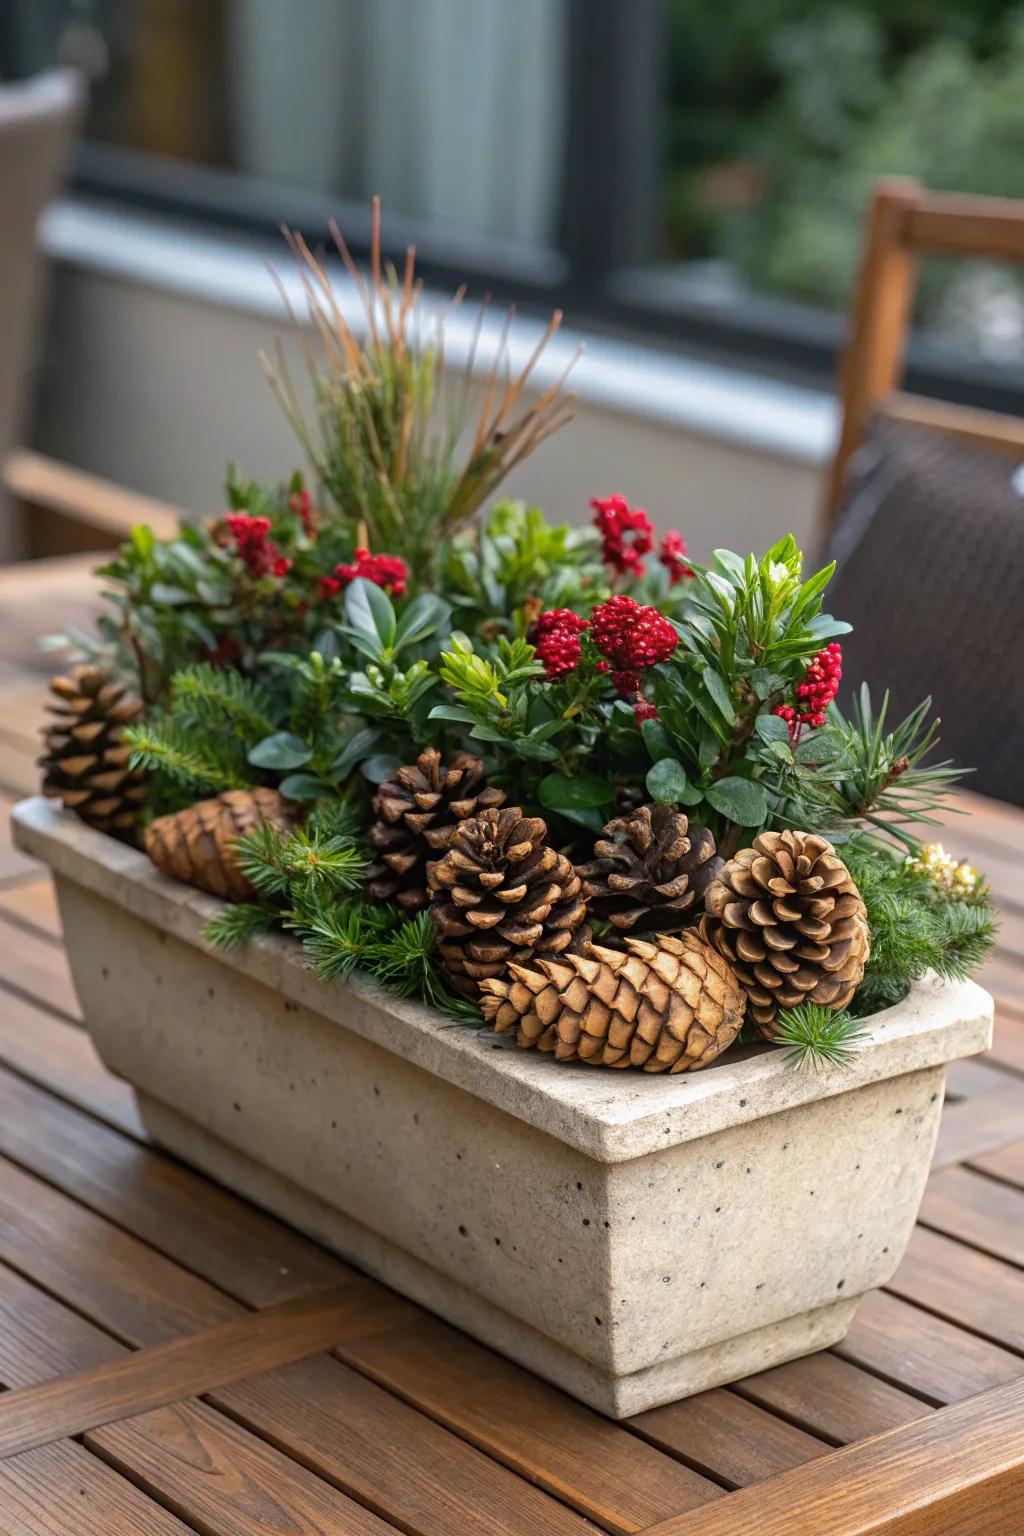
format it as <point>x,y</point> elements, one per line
<point>85,758</point>
<point>500,894</point>
<point>788,917</point>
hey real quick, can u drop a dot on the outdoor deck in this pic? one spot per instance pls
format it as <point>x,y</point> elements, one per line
<point>176,1361</point>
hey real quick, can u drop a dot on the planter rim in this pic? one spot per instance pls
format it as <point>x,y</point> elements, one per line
<point>612,1116</point>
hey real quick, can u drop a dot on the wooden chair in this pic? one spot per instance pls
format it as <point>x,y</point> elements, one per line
<point>904,222</point>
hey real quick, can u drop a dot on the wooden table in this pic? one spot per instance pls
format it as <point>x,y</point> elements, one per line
<point>176,1361</point>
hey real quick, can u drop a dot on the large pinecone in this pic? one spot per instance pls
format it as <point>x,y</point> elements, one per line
<point>669,1005</point>
<point>416,813</point>
<point>787,915</point>
<point>500,894</point>
<point>197,844</point>
<point>85,760</point>
<point>649,869</point>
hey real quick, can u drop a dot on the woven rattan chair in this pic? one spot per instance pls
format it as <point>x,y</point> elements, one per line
<point>925,503</point>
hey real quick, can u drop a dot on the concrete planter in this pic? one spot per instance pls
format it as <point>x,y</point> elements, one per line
<point>633,1239</point>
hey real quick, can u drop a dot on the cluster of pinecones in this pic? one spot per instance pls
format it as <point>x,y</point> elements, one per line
<point>780,923</point>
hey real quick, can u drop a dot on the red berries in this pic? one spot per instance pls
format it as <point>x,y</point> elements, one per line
<point>631,637</point>
<point>672,555</point>
<point>616,521</point>
<point>386,571</point>
<point>259,553</point>
<point>556,635</point>
<point>643,710</point>
<point>819,687</point>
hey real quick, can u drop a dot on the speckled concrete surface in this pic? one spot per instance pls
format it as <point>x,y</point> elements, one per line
<point>632,1238</point>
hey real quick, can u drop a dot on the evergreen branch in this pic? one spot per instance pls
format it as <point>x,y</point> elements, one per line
<point>208,697</point>
<point>189,762</point>
<point>237,924</point>
<point>817,1037</point>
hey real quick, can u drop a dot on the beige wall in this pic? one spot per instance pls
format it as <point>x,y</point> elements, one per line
<point>157,391</point>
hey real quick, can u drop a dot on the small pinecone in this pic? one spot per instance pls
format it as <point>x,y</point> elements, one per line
<point>787,915</point>
<point>671,1004</point>
<point>416,813</point>
<point>650,868</point>
<point>500,894</point>
<point>196,844</point>
<point>85,760</point>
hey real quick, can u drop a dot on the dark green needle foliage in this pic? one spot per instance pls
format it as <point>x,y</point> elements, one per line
<point>817,1037</point>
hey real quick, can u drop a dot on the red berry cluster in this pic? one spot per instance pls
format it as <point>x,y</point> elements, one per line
<point>616,521</point>
<point>816,692</point>
<point>556,635</point>
<point>643,709</point>
<point>386,571</point>
<point>672,556</point>
<point>300,503</point>
<point>631,638</point>
<point>259,553</point>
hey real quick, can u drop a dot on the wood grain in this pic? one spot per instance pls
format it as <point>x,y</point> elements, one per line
<point>959,1472</point>
<point>979,1125</point>
<point>964,1286</point>
<point>37,969</point>
<point>595,1465</point>
<point>40,1338</point>
<point>63,1491</point>
<point>1007,1163</point>
<point>721,1433</point>
<point>60,1057</point>
<point>924,1354</point>
<point>832,1398</point>
<point>212,1232</point>
<point>226,1481</point>
<point>977,1210</point>
<point>387,1455</point>
<point>133,1384</point>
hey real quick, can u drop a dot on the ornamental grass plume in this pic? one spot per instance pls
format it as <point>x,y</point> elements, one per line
<point>384,437</point>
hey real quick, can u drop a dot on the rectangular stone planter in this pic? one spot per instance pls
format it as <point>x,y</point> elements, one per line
<point>632,1238</point>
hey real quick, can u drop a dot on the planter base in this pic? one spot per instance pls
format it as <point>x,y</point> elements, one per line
<point>615,1395</point>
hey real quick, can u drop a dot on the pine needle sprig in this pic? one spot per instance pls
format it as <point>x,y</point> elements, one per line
<point>190,761</point>
<point>301,862</point>
<point>238,923</point>
<point>204,697</point>
<point>816,1037</point>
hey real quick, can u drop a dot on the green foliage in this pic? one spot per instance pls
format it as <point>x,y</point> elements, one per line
<point>517,564</point>
<point>308,879</point>
<point>186,764</point>
<point>915,927</point>
<point>817,1037</point>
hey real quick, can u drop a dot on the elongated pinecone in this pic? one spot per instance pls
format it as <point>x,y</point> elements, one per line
<point>787,915</point>
<point>416,813</point>
<point>85,761</point>
<point>500,894</point>
<point>197,844</point>
<point>671,1004</point>
<point>649,869</point>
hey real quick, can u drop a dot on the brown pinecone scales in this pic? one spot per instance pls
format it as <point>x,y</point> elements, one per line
<point>500,894</point>
<point>85,761</point>
<point>416,813</point>
<point>197,844</point>
<point>788,917</point>
<point>671,1004</point>
<point>649,869</point>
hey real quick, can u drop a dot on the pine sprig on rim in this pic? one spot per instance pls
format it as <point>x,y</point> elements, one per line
<point>238,923</point>
<point>817,1037</point>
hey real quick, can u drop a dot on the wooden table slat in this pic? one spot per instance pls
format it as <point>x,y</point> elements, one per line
<point>963,1286</point>
<point>977,1210</point>
<point>62,1490</point>
<point>833,1398</point>
<point>227,1481</point>
<point>921,1353</point>
<point>723,1434</point>
<point>1006,1163</point>
<point>32,904</point>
